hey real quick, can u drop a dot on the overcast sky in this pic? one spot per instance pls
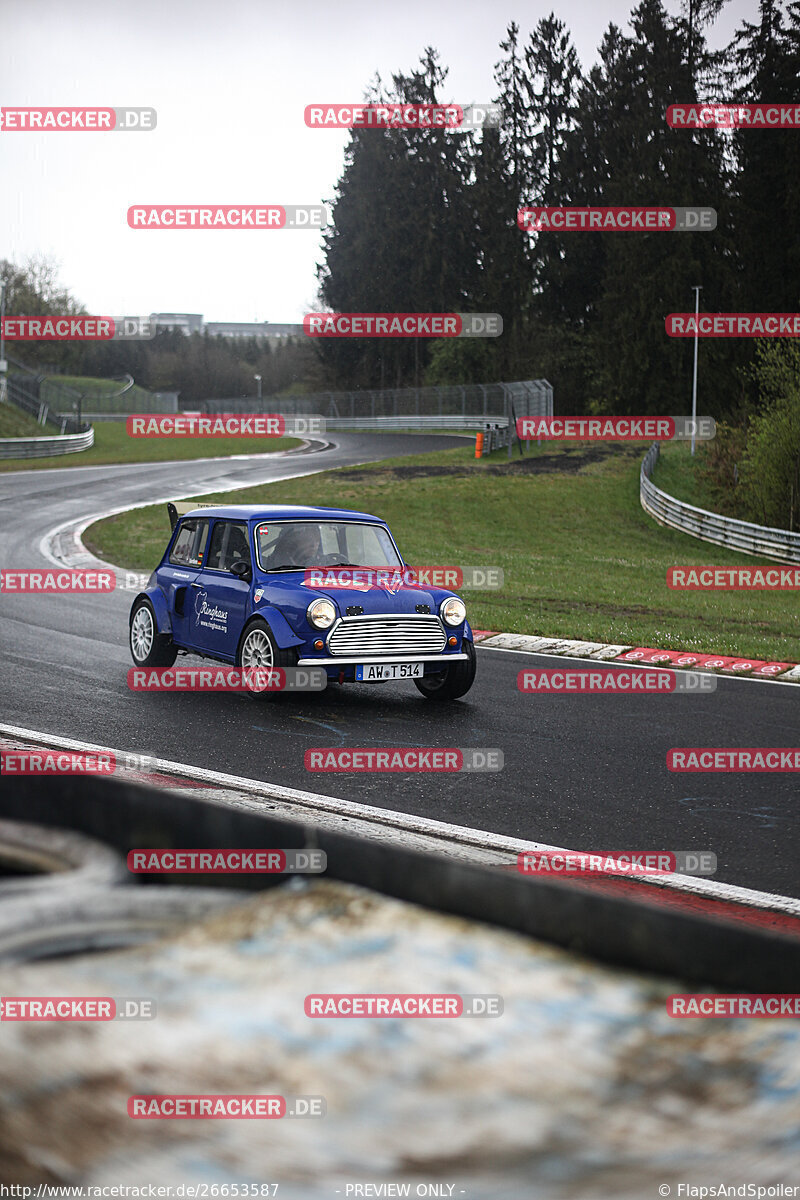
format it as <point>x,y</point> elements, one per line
<point>229,81</point>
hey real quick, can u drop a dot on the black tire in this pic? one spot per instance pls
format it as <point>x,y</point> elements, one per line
<point>153,650</point>
<point>454,681</point>
<point>96,919</point>
<point>259,651</point>
<point>36,858</point>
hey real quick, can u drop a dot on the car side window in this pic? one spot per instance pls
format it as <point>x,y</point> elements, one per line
<point>229,544</point>
<point>188,547</point>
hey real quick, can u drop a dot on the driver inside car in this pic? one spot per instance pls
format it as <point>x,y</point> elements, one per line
<point>298,546</point>
<point>238,549</point>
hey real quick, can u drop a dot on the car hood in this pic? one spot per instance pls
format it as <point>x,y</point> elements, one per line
<point>373,599</point>
<point>380,600</point>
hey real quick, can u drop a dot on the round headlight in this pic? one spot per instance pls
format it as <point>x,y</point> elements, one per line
<point>453,611</point>
<point>321,613</point>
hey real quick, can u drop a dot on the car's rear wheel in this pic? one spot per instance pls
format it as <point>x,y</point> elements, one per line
<point>454,681</point>
<point>259,654</point>
<point>149,648</point>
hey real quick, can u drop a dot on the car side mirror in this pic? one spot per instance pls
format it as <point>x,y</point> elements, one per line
<point>241,570</point>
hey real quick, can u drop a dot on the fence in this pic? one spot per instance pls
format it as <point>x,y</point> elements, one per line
<point>490,406</point>
<point>780,544</point>
<point>23,393</point>
<point>529,398</point>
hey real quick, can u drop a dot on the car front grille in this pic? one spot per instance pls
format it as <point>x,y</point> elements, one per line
<point>392,636</point>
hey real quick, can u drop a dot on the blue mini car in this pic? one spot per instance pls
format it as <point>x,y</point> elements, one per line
<point>292,586</point>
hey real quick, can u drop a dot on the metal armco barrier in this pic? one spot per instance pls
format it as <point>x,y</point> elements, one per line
<point>44,447</point>
<point>629,929</point>
<point>499,434</point>
<point>410,422</point>
<point>779,544</point>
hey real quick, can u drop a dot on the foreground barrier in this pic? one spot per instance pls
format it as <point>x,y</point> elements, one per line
<point>741,949</point>
<point>44,447</point>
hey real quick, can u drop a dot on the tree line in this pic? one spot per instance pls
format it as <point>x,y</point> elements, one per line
<point>199,367</point>
<point>425,220</point>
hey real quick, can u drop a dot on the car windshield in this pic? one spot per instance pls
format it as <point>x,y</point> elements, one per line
<point>298,545</point>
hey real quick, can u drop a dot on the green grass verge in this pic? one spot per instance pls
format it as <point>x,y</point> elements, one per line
<point>99,395</point>
<point>676,473</point>
<point>581,558</point>
<point>88,384</point>
<point>15,423</point>
<point>112,445</point>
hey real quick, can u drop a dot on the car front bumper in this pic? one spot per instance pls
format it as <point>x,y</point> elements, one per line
<point>356,660</point>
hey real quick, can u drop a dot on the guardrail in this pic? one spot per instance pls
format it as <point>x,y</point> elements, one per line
<point>779,544</point>
<point>413,422</point>
<point>44,447</point>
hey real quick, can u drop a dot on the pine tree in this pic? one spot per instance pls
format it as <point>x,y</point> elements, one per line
<point>768,226</point>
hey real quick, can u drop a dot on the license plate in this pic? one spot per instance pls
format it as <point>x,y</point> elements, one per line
<point>368,672</point>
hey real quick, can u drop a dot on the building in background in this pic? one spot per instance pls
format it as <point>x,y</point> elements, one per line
<point>189,323</point>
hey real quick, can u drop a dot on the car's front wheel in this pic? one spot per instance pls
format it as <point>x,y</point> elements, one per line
<point>260,654</point>
<point>454,681</point>
<point>149,648</point>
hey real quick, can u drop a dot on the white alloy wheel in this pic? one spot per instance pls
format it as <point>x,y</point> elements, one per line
<point>142,634</point>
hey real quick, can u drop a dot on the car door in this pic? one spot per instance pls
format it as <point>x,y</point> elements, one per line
<point>221,600</point>
<point>178,575</point>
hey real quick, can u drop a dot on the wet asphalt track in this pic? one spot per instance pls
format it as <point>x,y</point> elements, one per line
<point>586,772</point>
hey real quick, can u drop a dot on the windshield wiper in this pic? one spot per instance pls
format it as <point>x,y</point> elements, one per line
<point>285,567</point>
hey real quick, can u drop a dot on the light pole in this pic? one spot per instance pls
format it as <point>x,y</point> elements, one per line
<point>697,291</point>
<point>258,381</point>
<point>3,363</point>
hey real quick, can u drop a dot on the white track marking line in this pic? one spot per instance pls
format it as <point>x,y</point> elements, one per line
<point>387,821</point>
<point>615,662</point>
<point>77,526</point>
<point>182,462</point>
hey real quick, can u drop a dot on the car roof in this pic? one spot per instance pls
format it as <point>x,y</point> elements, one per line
<point>281,512</point>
